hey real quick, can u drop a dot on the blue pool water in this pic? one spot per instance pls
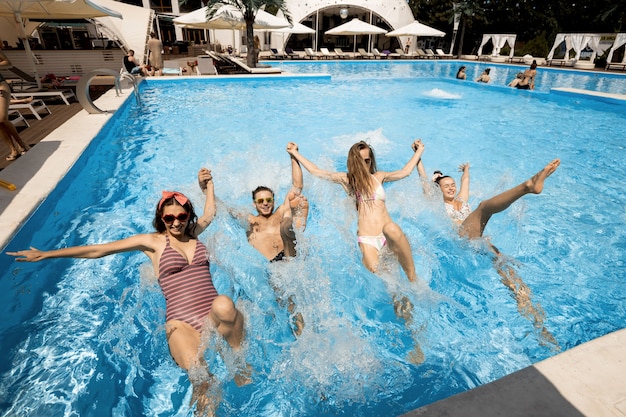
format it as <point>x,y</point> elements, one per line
<point>85,337</point>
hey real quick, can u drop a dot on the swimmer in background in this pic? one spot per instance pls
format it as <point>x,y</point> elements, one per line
<point>484,77</point>
<point>526,80</point>
<point>472,225</point>
<point>460,75</point>
<point>180,262</point>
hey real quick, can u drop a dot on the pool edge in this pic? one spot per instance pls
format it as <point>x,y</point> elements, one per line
<point>40,170</point>
<point>585,381</point>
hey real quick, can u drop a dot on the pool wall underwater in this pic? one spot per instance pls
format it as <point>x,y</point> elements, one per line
<point>86,337</point>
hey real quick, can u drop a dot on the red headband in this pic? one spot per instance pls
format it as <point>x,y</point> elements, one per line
<point>180,198</point>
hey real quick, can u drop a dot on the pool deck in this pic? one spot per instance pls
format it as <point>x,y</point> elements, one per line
<point>588,380</point>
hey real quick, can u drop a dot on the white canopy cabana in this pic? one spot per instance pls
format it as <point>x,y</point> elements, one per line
<point>498,42</point>
<point>577,42</point>
<point>620,40</point>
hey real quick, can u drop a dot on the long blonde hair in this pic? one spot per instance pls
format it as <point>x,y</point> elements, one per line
<point>359,178</point>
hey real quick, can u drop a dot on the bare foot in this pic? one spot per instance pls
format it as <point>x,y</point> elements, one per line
<point>403,308</point>
<point>535,184</point>
<point>416,356</point>
<point>298,323</point>
<point>205,403</point>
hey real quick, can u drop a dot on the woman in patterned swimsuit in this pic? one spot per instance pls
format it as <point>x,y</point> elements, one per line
<point>181,264</point>
<point>472,223</point>
<point>375,227</point>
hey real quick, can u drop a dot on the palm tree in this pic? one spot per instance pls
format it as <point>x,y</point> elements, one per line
<point>249,9</point>
<point>468,11</point>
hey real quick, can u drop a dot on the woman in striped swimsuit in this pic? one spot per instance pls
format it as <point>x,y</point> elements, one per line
<point>181,264</point>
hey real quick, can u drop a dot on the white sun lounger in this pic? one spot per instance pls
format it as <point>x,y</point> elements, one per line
<point>61,94</point>
<point>34,107</point>
<point>16,118</point>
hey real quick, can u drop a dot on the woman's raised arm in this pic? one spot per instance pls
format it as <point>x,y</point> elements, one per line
<point>338,177</point>
<point>205,180</point>
<point>464,191</point>
<point>418,148</point>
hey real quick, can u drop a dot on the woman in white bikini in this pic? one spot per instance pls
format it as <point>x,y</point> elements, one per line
<point>375,227</point>
<point>472,225</point>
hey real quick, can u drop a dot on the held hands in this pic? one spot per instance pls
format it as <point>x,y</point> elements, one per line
<point>417,145</point>
<point>291,148</point>
<point>30,255</point>
<point>204,177</point>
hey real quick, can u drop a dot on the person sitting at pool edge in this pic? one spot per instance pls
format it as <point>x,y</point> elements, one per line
<point>526,81</point>
<point>484,77</point>
<point>180,262</point>
<point>271,231</point>
<point>460,75</point>
<point>132,66</point>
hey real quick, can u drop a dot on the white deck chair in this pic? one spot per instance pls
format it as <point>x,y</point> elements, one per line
<point>365,55</point>
<point>327,54</point>
<point>172,67</point>
<point>205,65</point>
<point>442,54</point>
<point>34,106</point>
<point>16,118</point>
<point>311,54</point>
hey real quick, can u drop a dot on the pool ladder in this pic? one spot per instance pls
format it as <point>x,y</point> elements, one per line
<point>82,88</point>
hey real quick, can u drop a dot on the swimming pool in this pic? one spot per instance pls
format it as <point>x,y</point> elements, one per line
<point>501,74</point>
<point>86,337</point>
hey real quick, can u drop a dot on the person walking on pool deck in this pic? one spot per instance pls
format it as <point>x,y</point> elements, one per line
<point>472,225</point>
<point>271,231</point>
<point>181,264</point>
<point>8,131</point>
<point>155,46</point>
<point>365,183</point>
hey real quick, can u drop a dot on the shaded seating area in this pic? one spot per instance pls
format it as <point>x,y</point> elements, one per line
<point>498,42</point>
<point>619,43</point>
<point>575,43</point>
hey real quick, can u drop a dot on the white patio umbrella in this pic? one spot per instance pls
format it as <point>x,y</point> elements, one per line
<point>416,29</point>
<point>295,29</point>
<point>229,17</point>
<point>49,9</point>
<point>356,27</point>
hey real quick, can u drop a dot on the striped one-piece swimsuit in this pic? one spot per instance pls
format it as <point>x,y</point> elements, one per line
<point>187,287</point>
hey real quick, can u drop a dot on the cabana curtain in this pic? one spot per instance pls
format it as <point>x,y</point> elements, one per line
<point>620,40</point>
<point>498,42</point>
